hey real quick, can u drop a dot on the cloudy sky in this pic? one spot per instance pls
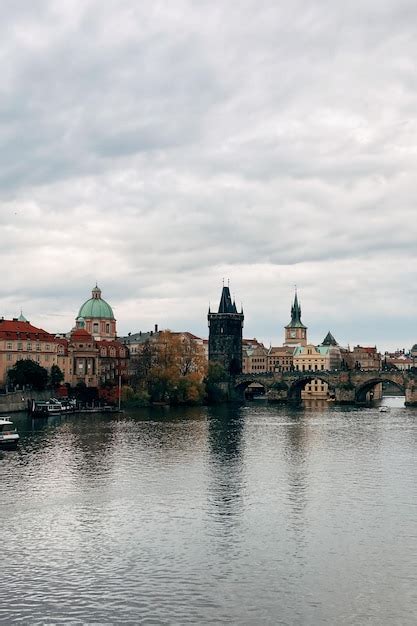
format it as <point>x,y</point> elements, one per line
<point>157,147</point>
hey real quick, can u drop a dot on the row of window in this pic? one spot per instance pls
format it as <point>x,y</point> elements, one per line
<point>19,346</point>
<point>33,357</point>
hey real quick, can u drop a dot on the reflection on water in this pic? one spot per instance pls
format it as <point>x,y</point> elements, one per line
<point>249,514</point>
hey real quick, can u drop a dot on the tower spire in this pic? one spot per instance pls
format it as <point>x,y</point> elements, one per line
<point>296,309</point>
<point>295,331</point>
<point>226,305</point>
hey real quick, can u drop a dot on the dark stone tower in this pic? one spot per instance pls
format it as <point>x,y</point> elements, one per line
<point>225,334</point>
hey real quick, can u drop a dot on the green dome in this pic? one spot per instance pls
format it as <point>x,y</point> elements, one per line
<point>96,307</point>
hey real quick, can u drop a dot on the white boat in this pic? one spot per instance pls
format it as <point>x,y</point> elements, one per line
<point>8,433</point>
<point>384,409</point>
<point>43,409</point>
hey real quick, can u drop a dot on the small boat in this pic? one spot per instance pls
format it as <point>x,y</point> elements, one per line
<point>8,433</point>
<point>384,409</point>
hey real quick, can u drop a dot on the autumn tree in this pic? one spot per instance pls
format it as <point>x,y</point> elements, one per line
<point>171,368</point>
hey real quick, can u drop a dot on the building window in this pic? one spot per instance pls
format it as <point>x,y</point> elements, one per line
<point>38,346</point>
<point>9,357</point>
<point>19,345</point>
<point>107,328</point>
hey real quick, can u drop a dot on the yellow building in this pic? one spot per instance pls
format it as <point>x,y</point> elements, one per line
<point>280,359</point>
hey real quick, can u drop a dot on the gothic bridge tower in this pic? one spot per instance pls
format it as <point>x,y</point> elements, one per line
<point>225,334</point>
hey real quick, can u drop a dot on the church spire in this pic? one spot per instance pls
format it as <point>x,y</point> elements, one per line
<point>296,310</point>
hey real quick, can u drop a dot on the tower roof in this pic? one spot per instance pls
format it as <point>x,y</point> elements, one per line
<point>329,340</point>
<point>226,305</point>
<point>296,315</point>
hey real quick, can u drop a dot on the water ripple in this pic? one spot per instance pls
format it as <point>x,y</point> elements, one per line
<point>261,515</point>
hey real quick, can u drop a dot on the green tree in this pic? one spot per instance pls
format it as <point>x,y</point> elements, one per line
<point>56,376</point>
<point>216,375</point>
<point>28,372</point>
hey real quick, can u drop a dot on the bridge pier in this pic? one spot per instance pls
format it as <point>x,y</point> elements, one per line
<point>411,394</point>
<point>344,394</point>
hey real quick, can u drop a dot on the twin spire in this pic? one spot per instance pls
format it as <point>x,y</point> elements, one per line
<point>227,305</point>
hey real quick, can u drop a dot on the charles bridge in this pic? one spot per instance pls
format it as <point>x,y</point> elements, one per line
<point>349,387</point>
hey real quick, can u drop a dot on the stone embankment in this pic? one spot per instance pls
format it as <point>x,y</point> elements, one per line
<point>18,400</point>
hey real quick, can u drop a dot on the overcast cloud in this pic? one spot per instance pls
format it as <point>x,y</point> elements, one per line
<point>159,147</point>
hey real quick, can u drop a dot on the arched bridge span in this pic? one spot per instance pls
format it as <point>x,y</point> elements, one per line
<point>348,386</point>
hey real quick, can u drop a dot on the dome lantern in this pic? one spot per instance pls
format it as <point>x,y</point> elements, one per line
<point>96,293</point>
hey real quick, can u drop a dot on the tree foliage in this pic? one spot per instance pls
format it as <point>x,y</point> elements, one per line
<point>56,376</point>
<point>216,375</point>
<point>109,393</point>
<point>170,368</point>
<point>28,372</point>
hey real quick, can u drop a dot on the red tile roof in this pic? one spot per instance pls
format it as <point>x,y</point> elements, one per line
<point>13,329</point>
<point>80,334</point>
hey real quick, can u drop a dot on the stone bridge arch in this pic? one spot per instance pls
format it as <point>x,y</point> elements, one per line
<point>297,386</point>
<point>274,390</point>
<point>243,383</point>
<point>366,387</point>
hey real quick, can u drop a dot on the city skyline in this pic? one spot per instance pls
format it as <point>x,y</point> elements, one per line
<point>313,333</point>
<point>157,150</point>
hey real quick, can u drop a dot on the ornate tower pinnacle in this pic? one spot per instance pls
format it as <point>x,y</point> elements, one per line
<point>295,331</point>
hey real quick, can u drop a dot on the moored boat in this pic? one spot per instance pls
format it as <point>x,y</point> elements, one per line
<point>43,409</point>
<point>9,436</point>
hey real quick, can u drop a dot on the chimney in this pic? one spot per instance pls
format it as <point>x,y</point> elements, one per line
<point>156,328</point>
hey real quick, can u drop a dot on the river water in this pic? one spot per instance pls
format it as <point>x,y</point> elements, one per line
<point>244,515</point>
